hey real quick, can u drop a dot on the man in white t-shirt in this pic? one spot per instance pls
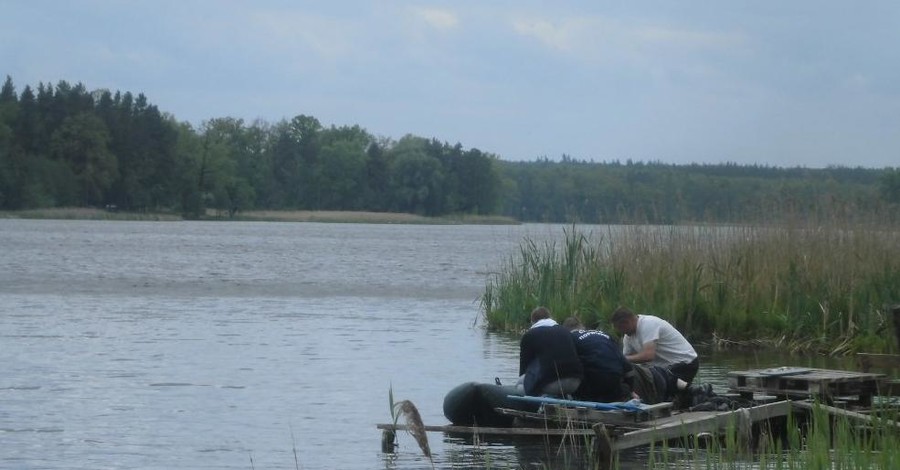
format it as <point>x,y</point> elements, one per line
<point>652,340</point>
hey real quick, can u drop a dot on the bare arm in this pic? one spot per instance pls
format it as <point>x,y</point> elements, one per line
<point>645,355</point>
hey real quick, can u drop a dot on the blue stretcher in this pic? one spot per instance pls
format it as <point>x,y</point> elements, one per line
<point>617,406</point>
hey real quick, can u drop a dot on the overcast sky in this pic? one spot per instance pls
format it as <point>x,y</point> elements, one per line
<point>808,83</point>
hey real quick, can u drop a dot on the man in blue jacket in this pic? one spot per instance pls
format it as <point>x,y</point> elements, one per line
<point>607,374</point>
<point>548,362</point>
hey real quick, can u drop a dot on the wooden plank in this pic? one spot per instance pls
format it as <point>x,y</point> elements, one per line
<point>867,361</point>
<point>589,417</point>
<point>685,424</point>
<point>805,405</point>
<point>495,431</point>
<point>890,388</point>
<point>531,419</point>
<point>828,375</point>
<point>647,413</point>
<point>568,417</point>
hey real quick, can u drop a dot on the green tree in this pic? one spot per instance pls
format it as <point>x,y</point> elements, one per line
<point>343,168</point>
<point>377,179</point>
<point>218,164</point>
<point>890,185</point>
<point>286,168</point>
<point>304,131</point>
<point>254,162</point>
<point>416,178</point>
<point>8,109</point>
<point>82,142</point>
<point>479,183</point>
<point>343,161</point>
<point>189,153</point>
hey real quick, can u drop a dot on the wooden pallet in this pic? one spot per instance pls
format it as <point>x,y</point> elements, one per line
<point>824,384</point>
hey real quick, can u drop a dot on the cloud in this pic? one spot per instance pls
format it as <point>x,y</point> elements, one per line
<point>558,36</point>
<point>605,39</point>
<point>437,18</point>
<point>665,36</point>
<point>653,79</point>
<point>328,38</point>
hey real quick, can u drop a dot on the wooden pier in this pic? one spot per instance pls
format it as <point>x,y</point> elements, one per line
<point>775,393</point>
<point>612,432</point>
<point>857,388</point>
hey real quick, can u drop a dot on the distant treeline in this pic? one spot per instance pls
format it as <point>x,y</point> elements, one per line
<point>631,192</point>
<point>63,146</point>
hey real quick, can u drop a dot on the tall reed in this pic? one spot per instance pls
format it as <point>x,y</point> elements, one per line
<point>811,286</point>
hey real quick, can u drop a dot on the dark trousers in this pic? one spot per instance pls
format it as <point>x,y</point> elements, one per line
<point>685,370</point>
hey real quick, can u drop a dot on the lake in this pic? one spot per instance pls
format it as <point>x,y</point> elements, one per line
<point>160,345</point>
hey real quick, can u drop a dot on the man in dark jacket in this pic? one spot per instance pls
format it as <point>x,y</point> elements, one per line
<point>607,373</point>
<point>548,362</point>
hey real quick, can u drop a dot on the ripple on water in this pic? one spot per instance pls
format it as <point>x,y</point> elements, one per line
<point>176,384</point>
<point>32,430</point>
<point>304,329</point>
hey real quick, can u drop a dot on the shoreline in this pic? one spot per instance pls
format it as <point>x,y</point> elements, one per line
<point>357,217</point>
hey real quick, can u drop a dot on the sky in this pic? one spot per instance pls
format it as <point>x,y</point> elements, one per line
<point>799,83</point>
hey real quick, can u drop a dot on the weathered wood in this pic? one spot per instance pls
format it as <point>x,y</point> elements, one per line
<point>518,431</point>
<point>895,313</point>
<point>565,416</point>
<point>604,454</point>
<point>869,360</point>
<point>588,418</point>
<point>822,383</point>
<point>868,419</point>
<point>890,388</point>
<point>617,430</point>
<point>532,419</point>
<point>387,441</point>
<point>714,422</point>
<point>649,412</point>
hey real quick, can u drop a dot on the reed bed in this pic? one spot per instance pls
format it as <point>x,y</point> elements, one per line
<point>825,288</point>
<point>817,441</point>
<point>820,441</point>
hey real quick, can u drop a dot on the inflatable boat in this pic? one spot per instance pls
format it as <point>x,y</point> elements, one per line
<point>473,404</point>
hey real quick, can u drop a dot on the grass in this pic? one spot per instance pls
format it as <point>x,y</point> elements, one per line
<point>824,288</point>
<point>814,440</point>
<point>819,442</point>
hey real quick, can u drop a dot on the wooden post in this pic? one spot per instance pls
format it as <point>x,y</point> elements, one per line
<point>387,441</point>
<point>604,454</point>
<point>895,312</point>
<point>744,429</point>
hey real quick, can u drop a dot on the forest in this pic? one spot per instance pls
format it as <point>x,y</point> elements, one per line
<point>64,146</point>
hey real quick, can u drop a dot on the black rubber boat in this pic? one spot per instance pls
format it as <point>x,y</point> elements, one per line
<point>473,404</point>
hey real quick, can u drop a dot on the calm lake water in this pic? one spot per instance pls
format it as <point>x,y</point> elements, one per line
<point>160,345</point>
